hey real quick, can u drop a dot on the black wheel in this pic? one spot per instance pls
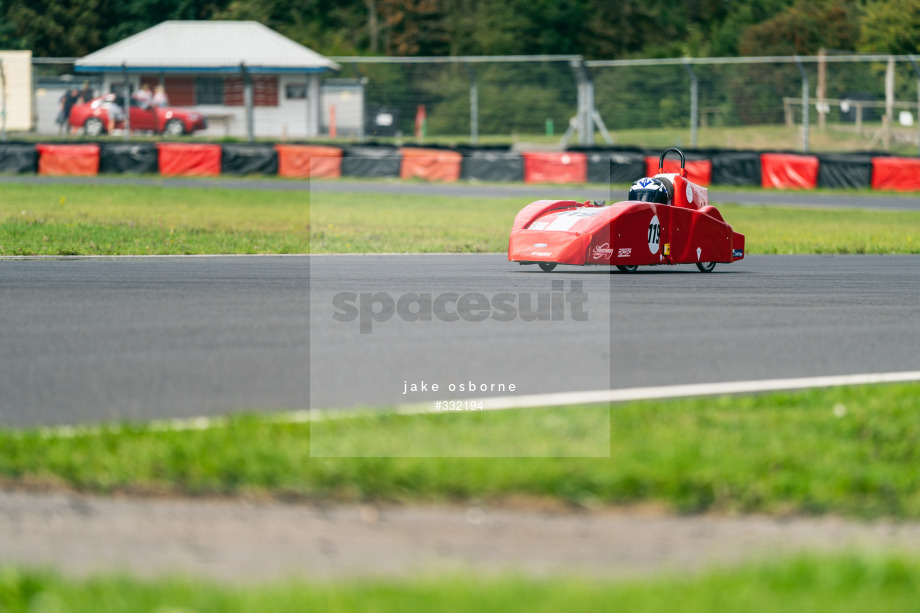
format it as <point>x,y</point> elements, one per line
<point>93,127</point>
<point>705,267</point>
<point>547,266</point>
<point>174,127</point>
<point>628,268</point>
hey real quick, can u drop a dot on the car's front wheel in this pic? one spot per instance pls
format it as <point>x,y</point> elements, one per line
<point>547,266</point>
<point>705,267</point>
<point>93,127</point>
<point>174,127</point>
<point>628,268</point>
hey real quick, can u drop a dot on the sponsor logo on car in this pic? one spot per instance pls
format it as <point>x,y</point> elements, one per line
<point>541,253</point>
<point>539,244</point>
<point>602,252</point>
<point>624,252</point>
<point>738,253</point>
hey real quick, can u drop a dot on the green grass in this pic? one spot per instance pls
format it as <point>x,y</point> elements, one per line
<point>828,582</point>
<point>108,220</point>
<point>852,451</point>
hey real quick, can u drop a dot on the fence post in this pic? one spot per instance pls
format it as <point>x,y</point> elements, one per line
<point>2,103</point>
<point>694,104</point>
<point>124,72</point>
<point>474,106</point>
<point>798,63</point>
<point>584,119</point>
<point>913,63</point>
<point>889,102</point>
<point>247,101</point>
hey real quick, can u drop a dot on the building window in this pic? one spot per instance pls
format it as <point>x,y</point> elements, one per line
<point>209,90</point>
<point>295,91</point>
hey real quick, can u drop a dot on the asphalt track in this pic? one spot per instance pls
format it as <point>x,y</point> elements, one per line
<point>805,198</point>
<point>95,339</point>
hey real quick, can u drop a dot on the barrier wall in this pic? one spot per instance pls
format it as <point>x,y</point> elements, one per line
<point>190,159</point>
<point>555,167</point>
<point>371,162</point>
<point>492,165</point>
<point>736,168</point>
<point>430,164</point>
<point>248,160</point>
<point>309,161</point>
<point>796,171</point>
<point>857,170</point>
<point>847,171</point>
<point>139,158</point>
<point>900,174</point>
<point>18,158</point>
<point>699,171</point>
<point>68,159</point>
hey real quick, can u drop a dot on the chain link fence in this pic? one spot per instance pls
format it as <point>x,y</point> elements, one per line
<point>853,101</point>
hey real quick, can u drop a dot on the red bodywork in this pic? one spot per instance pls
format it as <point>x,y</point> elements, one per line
<point>628,233</point>
<point>152,118</point>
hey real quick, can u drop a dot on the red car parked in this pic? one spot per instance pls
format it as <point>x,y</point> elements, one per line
<point>93,117</point>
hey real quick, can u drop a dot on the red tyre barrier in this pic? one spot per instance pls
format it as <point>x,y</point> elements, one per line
<point>68,159</point>
<point>901,174</point>
<point>555,167</point>
<point>698,171</point>
<point>197,159</point>
<point>430,164</point>
<point>309,161</point>
<point>788,171</point>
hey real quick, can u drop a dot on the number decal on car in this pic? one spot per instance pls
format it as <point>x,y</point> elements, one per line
<point>654,234</point>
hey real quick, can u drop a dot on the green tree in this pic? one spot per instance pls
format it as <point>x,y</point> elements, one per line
<point>892,26</point>
<point>804,28</point>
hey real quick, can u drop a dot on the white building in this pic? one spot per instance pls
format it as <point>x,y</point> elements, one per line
<point>16,90</point>
<point>246,78</point>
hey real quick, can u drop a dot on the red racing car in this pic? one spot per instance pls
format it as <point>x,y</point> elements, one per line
<point>666,220</point>
<point>93,117</point>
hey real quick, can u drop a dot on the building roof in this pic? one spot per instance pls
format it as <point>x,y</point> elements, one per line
<point>206,46</point>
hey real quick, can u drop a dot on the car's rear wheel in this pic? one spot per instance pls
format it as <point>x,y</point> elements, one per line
<point>547,266</point>
<point>93,127</point>
<point>628,268</point>
<point>174,127</point>
<point>705,267</point>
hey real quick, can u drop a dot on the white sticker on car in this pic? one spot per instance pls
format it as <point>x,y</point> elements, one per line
<point>567,219</point>
<point>654,234</point>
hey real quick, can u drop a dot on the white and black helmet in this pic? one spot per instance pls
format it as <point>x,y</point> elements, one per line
<point>649,190</point>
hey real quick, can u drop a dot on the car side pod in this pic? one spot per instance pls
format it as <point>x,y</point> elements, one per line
<point>628,234</point>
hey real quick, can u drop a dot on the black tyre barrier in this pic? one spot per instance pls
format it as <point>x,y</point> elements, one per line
<point>735,168</point>
<point>367,161</point>
<point>492,165</point>
<point>128,158</point>
<point>850,171</point>
<point>18,158</point>
<point>248,159</point>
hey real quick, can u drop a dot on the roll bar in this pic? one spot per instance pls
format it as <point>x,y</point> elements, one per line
<point>683,161</point>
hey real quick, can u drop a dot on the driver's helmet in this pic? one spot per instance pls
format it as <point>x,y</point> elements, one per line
<point>649,190</point>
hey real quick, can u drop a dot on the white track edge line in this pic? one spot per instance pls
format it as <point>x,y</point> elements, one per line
<point>521,401</point>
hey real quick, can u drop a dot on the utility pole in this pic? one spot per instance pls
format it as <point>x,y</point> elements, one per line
<point>889,102</point>
<point>805,103</point>
<point>822,88</point>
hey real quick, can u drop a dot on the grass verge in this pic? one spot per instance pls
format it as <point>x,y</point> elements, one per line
<point>852,451</point>
<point>806,583</point>
<point>107,220</point>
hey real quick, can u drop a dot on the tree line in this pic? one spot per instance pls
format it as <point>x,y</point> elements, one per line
<point>596,29</point>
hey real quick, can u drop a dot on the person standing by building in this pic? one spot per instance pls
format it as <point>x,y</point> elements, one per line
<point>144,97</point>
<point>160,98</point>
<point>86,94</point>
<point>67,100</point>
